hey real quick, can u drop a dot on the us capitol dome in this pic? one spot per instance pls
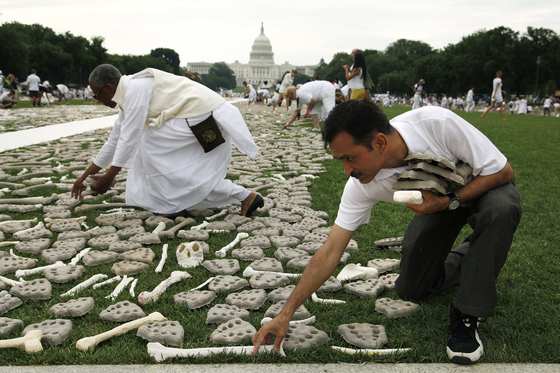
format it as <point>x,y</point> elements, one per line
<point>261,71</point>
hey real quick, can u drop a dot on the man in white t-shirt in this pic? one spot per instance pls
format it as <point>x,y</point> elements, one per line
<point>496,99</point>
<point>373,152</point>
<point>318,95</point>
<point>547,105</point>
<point>32,82</point>
<point>470,101</point>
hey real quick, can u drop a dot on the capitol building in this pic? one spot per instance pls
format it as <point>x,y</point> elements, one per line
<point>261,69</point>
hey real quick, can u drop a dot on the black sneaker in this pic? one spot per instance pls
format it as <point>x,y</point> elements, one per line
<point>463,344</point>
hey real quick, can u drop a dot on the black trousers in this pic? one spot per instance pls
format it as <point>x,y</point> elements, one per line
<point>428,240</point>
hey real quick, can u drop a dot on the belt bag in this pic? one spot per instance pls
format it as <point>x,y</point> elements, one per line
<point>207,134</point>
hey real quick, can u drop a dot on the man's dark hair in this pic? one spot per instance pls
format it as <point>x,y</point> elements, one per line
<point>361,119</point>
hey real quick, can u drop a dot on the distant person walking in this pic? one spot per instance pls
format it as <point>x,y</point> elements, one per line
<point>497,99</point>
<point>32,82</point>
<point>547,105</point>
<point>470,101</point>
<point>356,76</point>
<point>418,93</point>
<point>250,93</point>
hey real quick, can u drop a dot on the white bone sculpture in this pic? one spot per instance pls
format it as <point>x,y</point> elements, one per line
<point>370,351</point>
<point>189,254</point>
<point>11,282</point>
<point>355,271</point>
<point>84,285</point>
<point>33,271</point>
<point>8,222</point>
<point>308,321</point>
<point>120,287</point>
<point>23,233</point>
<point>159,228</point>
<point>8,243</point>
<point>408,196</point>
<point>203,225</point>
<point>249,272</point>
<point>160,353</point>
<point>107,282</point>
<point>218,215</point>
<point>30,342</point>
<point>205,283</point>
<point>76,259</point>
<point>170,233</point>
<point>89,343</point>
<point>316,299</point>
<point>146,297</point>
<point>132,288</point>
<point>224,250</point>
<point>161,263</point>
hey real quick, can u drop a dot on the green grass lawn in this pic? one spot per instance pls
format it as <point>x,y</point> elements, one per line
<point>524,329</point>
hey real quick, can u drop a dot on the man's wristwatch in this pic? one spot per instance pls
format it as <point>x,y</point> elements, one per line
<point>454,202</point>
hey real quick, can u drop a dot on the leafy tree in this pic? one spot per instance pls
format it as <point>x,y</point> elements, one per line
<point>219,76</point>
<point>169,56</point>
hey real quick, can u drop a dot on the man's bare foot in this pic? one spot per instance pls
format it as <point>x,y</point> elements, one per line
<point>250,204</point>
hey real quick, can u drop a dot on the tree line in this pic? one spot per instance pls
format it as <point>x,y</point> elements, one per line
<point>530,62</point>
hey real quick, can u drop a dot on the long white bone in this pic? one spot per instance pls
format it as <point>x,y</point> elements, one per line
<point>84,285</point>
<point>8,243</point>
<point>120,287</point>
<point>224,250</point>
<point>30,342</point>
<point>107,282</point>
<point>161,263</point>
<point>170,233</point>
<point>8,222</point>
<point>83,224</point>
<point>308,321</point>
<point>33,271</point>
<point>408,196</point>
<point>89,343</point>
<point>316,299</point>
<point>203,225</point>
<point>10,282</point>
<point>160,353</point>
<point>23,171</point>
<point>249,272</point>
<point>146,297</point>
<point>218,215</point>
<point>132,289</point>
<point>159,228</point>
<point>203,284</point>
<point>76,259</point>
<point>370,351</point>
<point>30,200</point>
<point>355,271</point>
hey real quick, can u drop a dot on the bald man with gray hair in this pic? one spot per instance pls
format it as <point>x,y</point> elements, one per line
<point>174,136</point>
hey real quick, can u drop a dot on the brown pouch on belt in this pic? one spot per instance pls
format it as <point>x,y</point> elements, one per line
<point>207,133</point>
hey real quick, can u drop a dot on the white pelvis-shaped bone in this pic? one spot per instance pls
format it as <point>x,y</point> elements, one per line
<point>189,254</point>
<point>355,271</point>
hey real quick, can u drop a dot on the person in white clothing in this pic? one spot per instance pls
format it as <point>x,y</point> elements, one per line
<point>286,82</point>
<point>32,82</point>
<point>167,135</point>
<point>319,96</point>
<point>522,106</point>
<point>496,99</point>
<point>356,76</point>
<point>1,82</point>
<point>373,153</point>
<point>250,93</point>
<point>470,101</point>
<point>547,105</point>
<point>418,94</point>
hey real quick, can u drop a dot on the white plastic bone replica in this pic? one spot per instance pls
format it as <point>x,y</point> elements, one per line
<point>10,282</point>
<point>316,299</point>
<point>107,282</point>
<point>23,171</point>
<point>161,263</point>
<point>203,284</point>
<point>354,271</point>
<point>159,228</point>
<point>86,227</point>
<point>218,215</point>
<point>146,297</point>
<point>308,321</point>
<point>76,259</point>
<point>408,196</point>
<point>224,250</point>
<point>132,288</point>
<point>160,353</point>
<point>370,351</point>
<point>170,233</point>
<point>30,342</point>
<point>8,243</point>
<point>9,222</point>
<point>89,343</point>
<point>85,284</point>
<point>189,254</point>
<point>201,226</point>
<point>20,273</point>
<point>120,287</point>
<point>249,272</point>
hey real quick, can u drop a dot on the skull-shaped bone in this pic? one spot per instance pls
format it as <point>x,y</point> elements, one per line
<point>189,254</point>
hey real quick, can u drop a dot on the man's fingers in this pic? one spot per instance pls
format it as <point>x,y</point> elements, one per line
<point>278,341</point>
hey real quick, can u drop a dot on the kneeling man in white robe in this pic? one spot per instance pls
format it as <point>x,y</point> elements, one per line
<point>169,172</point>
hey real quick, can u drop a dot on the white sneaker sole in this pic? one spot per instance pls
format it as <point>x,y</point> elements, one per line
<point>465,358</point>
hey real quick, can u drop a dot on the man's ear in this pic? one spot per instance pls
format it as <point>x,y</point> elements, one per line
<point>379,142</point>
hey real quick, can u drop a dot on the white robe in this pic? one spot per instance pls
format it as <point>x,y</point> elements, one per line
<point>167,169</point>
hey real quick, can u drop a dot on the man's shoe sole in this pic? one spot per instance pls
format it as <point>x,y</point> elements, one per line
<point>466,358</point>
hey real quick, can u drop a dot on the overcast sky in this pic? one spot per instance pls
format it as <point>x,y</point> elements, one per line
<point>301,32</point>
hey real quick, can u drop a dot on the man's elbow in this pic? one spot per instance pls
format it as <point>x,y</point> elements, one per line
<point>507,174</point>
